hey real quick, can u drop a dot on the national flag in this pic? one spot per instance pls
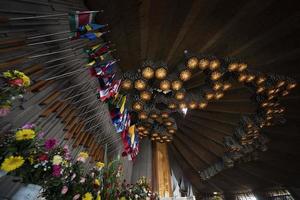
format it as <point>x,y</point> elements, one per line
<point>131,132</point>
<point>78,18</point>
<point>91,35</point>
<point>123,102</point>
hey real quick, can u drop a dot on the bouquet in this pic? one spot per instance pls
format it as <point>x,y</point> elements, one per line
<point>13,86</point>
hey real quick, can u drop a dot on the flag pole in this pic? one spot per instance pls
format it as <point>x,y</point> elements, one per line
<point>71,97</point>
<point>65,74</point>
<point>49,16</point>
<point>83,99</point>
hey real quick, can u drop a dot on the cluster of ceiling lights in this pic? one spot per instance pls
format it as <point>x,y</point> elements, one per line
<point>153,84</point>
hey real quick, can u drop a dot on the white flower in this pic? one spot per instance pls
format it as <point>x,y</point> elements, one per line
<point>57,160</point>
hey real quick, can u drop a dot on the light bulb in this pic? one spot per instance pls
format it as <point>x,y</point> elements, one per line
<point>214,64</point>
<point>140,84</point>
<point>179,95</point>
<point>137,106</point>
<point>176,85</point>
<point>192,63</point>
<point>215,75</point>
<point>145,95</point>
<point>148,72</point>
<point>185,75</point>
<point>233,67</point>
<point>126,84</point>
<point>161,73</point>
<point>165,85</point>
<point>203,64</point>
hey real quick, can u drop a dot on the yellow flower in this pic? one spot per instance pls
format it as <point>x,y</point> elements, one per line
<point>30,158</point>
<point>97,182</point>
<point>87,196</point>
<point>11,163</point>
<point>100,164</point>
<point>7,74</point>
<point>83,154</point>
<point>57,160</point>
<point>122,198</point>
<point>25,134</point>
<point>98,196</point>
<point>26,80</point>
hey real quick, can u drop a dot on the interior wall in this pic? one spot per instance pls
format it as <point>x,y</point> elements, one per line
<point>64,107</point>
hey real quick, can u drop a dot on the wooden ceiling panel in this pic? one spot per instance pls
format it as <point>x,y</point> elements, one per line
<point>264,34</point>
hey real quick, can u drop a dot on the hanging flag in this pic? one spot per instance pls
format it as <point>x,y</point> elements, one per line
<point>131,132</point>
<point>90,35</point>
<point>77,19</point>
<point>123,104</point>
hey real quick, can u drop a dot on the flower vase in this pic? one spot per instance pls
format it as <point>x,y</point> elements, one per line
<point>28,192</point>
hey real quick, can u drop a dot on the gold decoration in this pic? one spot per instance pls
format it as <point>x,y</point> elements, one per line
<point>145,95</point>
<point>126,84</point>
<point>179,95</point>
<point>203,64</point>
<point>185,75</point>
<point>192,63</point>
<point>148,72</point>
<point>176,85</point>
<point>215,75</point>
<point>140,84</point>
<point>161,73</point>
<point>165,85</point>
<point>137,106</point>
<point>214,64</point>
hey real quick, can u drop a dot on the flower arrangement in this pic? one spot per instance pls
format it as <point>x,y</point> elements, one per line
<point>138,191</point>
<point>28,155</point>
<point>13,86</point>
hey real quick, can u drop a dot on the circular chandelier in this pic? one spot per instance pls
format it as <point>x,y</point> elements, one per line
<point>158,94</point>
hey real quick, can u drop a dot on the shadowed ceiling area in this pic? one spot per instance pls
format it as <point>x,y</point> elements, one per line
<point>264,34</point>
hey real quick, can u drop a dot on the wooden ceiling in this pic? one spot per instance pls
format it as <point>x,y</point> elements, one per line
<point>264,34</point>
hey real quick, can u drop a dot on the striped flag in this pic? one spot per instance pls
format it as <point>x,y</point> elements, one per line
<point>78,18</point>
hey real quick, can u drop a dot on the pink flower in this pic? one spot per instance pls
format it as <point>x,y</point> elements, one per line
<point>4,111</point>
<point>64,190</point>
<point>56,169</point>
<point>50,143</point>
<point>28,126</point>
<point>67,154</point>
<point>41,135</point>
<point>16,82</point>
<point>76,197</point>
